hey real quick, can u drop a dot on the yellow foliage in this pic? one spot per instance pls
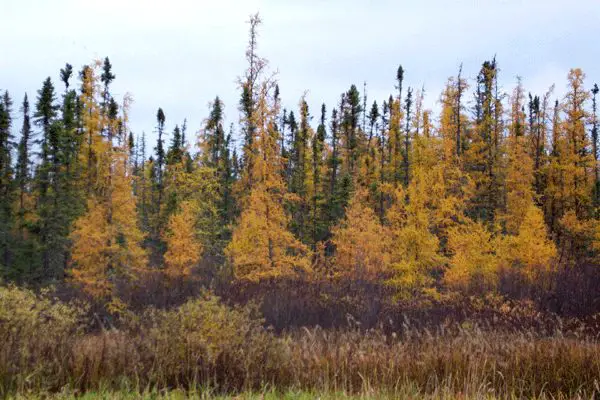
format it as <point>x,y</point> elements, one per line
<point>261,246</point>
<point>362,243</point>
<point>183,247</point>
<point>415,250</point>
<point>106,239</point>
<point>89,252</point>
<point>530,250</point>
<point>473,267</point>
<point>519,174</point>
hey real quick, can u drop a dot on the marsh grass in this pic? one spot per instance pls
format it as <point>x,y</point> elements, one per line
<point>49,350</point>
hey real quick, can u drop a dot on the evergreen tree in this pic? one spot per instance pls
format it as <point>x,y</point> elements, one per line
<point>484,153</point>
<point>158,182</point>
<point>318,214</point>
<point>23,167</point>
<point>46,180</point>
<point>407,137</point>
<point>6,180</point>
<point>594,132</point>
<point>352,139</point>
<point>300,170</point>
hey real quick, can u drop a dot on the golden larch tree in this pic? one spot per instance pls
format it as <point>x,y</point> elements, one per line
<point>473,266</point>
<point>362,243</point>
<point>184,250</point>
<point>261,246</point>
<point>106,239</point>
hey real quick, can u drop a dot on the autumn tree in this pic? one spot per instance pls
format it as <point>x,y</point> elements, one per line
<point>362,243</point>
<point>183,247</point>
<point>520,172</point>
<point>261,247</point>
<point>530,252</point>
<point>106,239</point>
<point>473,266</point>
<point>249,84</point>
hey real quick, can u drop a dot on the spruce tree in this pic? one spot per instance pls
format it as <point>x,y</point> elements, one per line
<point>595,147</point>
<point>407,137</point>
<point>6,181</point>
<point>319,225</point>
<point>45,118</point>
<point>352,136</point>
<point>158,184</point>
<point>23,167</point>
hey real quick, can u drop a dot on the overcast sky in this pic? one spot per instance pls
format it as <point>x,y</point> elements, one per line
<point>179,54</point>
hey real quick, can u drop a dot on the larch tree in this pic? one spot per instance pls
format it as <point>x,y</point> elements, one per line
<point>249,84</point>
<point>520,172</point>
<point>573,193</point>
<point>531,252</point>
<point>261,246</point>
<point>362,243</point>
<point>107,241</point>
<point>473,266</point>
<point>184,250</point>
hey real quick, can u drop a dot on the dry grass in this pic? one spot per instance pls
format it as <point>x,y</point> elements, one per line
<point>47,348</point>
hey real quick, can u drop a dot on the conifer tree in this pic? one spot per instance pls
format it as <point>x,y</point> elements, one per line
<point>24,259</point>
<point>473,266</point>
<point>336,193</point>
<point>261,246</point>
<point>248,100</point>
<point>215,154</point>
<point>362,244</point>
<point>594,123</point>
<point>407,137</point>
<point>183,247</point>
<point>520,172</point>
<point>46,181</point>
<point>23,167</point>
<point>318,215</point>
<point>106,239</point>
<point>6,180</point>
<point>352,139</point>
<point>484,154</point>
<point>300,175</point>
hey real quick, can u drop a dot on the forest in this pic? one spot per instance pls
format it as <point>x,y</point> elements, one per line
<point>372,248</point>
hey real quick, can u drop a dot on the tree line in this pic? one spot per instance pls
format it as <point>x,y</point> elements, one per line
<point>498,192</point>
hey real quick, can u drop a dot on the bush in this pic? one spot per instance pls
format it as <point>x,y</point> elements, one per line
<point>36,334</point>
<point>204,341</point>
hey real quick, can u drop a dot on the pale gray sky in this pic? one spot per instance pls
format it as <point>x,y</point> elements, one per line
<point>179,54</point>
